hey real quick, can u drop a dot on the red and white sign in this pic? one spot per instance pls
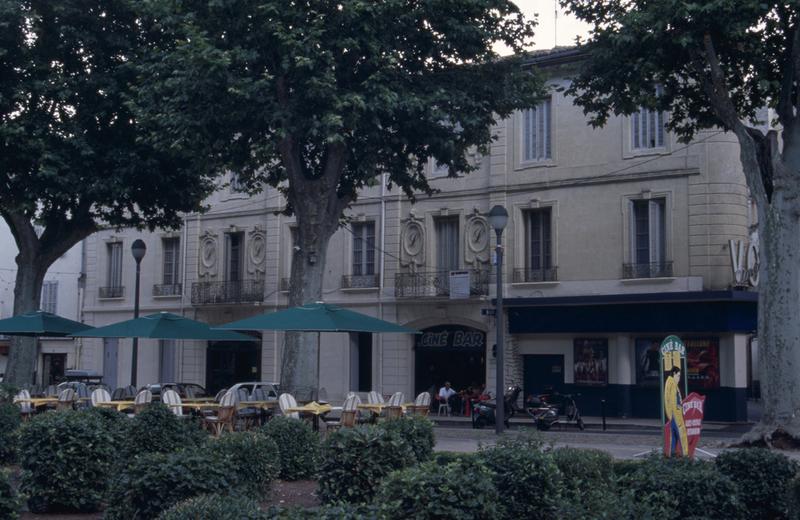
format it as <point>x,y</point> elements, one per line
<point>693,419</point>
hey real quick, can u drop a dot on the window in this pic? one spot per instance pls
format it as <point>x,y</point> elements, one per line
<point>438,169</point>
<point>447,244</point>
<point>364,248</point>
<point>171,275</point>
<point>648,240</point>
<point>647,128</point>
<point>237,186</point>
<point>536,133</point>
<point>114,275</point>
<point>166,349</point>
<point>49,297</point>
<point>539,244</point>
<point>233,256</point>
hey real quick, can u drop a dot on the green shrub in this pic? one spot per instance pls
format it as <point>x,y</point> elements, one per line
<point>622,468</point>
<point>8,392</point>
<point>154,482</point>
<point>157,430</point>
<point>9,422</point>
<point>331,512</point>
<point>418,433</point>
<point>443,458</point>
<point>794,498</point>
<point>254,457</point>
<point>460,490</point>
<point>684,488</point>
<point>9,502</point>
<point>588,482</point>
<point>762,478</point>
<point>214,507</point>
<point>298,445</point>
<point>66,461</point>
<point>530,481</point>
<point>354,460</point>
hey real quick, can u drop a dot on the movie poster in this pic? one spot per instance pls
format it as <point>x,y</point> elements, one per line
<point>647,359</point>
<point>702,360</point>
<point>591,361</point>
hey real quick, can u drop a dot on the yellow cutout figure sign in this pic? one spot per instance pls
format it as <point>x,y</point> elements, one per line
<point>673,409</point>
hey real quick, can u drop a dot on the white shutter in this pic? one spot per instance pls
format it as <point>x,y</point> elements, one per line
<point>655,224</point>
<point>632,231</point>
<point>635,130</point>
<point>546,113</point>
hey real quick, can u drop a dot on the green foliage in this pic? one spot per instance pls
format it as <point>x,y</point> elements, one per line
<point>254,457</point>
<point>154,482</point>
<point>794,498</point>
<point>625,467</point>
<point>460,490</point>
<point>157,430</point>
<point>588,483</point>
<point>762,480</point>
<point>298,445</point>
<point>683,488</point>
<point>7,392</point>
<point>417,431</point>
<point>444,458</point>
<point>529,480</point>
<point>330,512</point>
<point>9,501</point>
<point>354,460</point>
<point>214,507</point>
<point>66,458</point>
<point>10,420</point>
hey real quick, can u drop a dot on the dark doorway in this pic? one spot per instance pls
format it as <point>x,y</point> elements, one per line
<point>361,362</point>
<point>454,353</point>
<point>231,362</point>
<point>542,372</point>
<point>53,368</point>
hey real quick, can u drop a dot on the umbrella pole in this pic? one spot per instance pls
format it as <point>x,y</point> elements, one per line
<point>318,357</point>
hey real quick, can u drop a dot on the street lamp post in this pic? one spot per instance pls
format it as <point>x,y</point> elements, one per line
<point>138,249</point>
<point>498,218</point>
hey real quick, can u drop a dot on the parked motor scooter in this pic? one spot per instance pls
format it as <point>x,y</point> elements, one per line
<point>549,408</point>
<point>483,412</point>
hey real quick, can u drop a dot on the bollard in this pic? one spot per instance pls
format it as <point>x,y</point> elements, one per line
<point>603,412</point>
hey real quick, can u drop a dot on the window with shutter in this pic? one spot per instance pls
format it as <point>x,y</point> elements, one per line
<point>648,240</point>
<point>171,275</point>
<point>364,248</point>
<point>536,132</point>
<point>114,264</point>
<point>647,128</point>
<point>49,297</point>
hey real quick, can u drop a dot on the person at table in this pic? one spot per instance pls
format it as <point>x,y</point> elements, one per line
<point>450,396</point>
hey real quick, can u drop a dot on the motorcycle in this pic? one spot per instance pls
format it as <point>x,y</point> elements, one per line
<point>483,412</point>
<point>547,410</point>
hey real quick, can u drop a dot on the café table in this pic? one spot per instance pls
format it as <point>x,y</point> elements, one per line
<point>38,401</point>
<point>314,409</point>
<point>119,405</point>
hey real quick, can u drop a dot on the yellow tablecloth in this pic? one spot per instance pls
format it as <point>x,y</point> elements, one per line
<point>119,405</point>
<point>39,401</point>
<point>313,408</point>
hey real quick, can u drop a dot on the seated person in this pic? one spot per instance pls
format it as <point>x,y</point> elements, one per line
<point>447,394</point>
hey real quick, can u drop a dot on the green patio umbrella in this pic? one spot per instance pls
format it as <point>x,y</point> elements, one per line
<point>317,317</point>
<point>163,325</point>
<point>40,323</point>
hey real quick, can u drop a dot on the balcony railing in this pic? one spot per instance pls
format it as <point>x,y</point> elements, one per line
<point>535,275</point>
<point>650,270</point>
<point>360,281</point>
<point>437,283</point>
<point>168,289</point>
<point>241,291</point>
<point>112,292</point>
<point>284,284</point>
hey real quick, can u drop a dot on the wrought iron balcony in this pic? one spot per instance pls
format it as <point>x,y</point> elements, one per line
<point>650,270</point>
<point>240,291</point>
<point>535,275</point>
<point>168,289</point>
<point>117,291</point>
<point>360,281</point>
<point>437,283</point>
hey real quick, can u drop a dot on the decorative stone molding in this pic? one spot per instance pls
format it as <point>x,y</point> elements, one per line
<point>257,252</point>
<point>476,245</point>
<point>208,258</point>
<point>412,243</point>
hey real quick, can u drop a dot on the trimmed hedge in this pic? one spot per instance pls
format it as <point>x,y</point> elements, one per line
<point>157,430</point>
<point>355,460</point>
<point>154,482</point>
<point>10,420</point>
<point>588,485</point>
<point>529,480</point>
<point>684,488</point>
<point>762,480</point>
<point>460,490</point>
<point>66,461</point>
<point>214,507</point>
<point>444,458</point>
<point>332,512</point>
<point>418,433</point>
<point>254,457</point>
<point>9,501</point>
<point>298,445</point>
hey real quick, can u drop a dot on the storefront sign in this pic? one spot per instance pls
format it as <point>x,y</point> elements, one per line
<point>744,262</point>
<point>693,417</point>
<point>451,336</point>
<point>673,362</point>
<point>591,361</point>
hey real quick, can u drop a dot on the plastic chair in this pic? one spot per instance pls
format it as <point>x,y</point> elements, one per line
<point>443,406</point>
<point>100,395</point>
<point>173,401</point>
<point>225,416</point>
<point>286,401</point>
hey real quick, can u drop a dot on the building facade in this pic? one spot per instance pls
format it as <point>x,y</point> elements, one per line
<point>616,238</point>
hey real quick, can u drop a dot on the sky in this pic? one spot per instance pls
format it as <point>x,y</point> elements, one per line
<point>552,29</point>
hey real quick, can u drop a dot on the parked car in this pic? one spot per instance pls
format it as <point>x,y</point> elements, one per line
<point>183,389</point>
<point>270,389</point>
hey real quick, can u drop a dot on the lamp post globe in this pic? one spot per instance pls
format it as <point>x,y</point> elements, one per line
<point>498,218</point>
<point>138,250</point>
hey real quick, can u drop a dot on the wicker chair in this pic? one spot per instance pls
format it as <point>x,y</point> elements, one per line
<point>143,398</point>
<point>225,416</point>
<point>394,408</point>
<point>100,395</point>
<point>374,398</point>
<point>286,401</point>
<point>422,404</point>
<point>349,415</point>
<point>25,408</point>
<point>66,399</point>
<point>173,401</point>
